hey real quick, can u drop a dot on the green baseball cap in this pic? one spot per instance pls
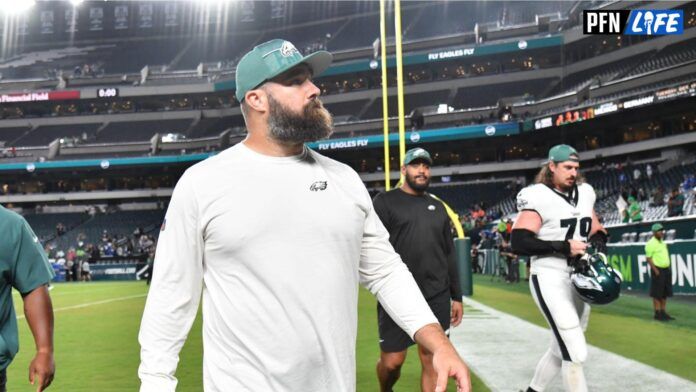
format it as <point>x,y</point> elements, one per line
<point>271,59</point>
<point>417,153</point>
<point>657,227</point>
<point>562,153</point>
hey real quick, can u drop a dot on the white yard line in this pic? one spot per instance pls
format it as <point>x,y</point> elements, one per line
<point>503,351</point>
<point>75,288</point>
<point>88,304</point>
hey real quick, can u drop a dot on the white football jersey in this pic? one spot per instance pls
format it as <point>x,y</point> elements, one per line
<point>563,216</point>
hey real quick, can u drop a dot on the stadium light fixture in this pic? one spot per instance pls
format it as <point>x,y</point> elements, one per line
<point>16,7</point>
<point>76,3</point>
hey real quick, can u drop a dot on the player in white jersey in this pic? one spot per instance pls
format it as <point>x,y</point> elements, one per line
<point>556,222</point>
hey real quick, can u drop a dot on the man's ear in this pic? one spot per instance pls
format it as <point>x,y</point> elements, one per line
<point>257,100</point>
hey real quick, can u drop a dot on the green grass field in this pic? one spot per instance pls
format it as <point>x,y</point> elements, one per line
<point>97,326</point>
<point>625,327</point>
<point>96,346</point>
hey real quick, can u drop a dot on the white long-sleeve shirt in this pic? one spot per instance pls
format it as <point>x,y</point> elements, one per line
<point>277,247</point>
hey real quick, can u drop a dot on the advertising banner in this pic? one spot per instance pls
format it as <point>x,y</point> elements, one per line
<point>630,260</point>
<point>47,21</point>
<point>115,271</point>
<point>145,16</point>
<point>120,17</point>
<point>171,15</point>
<point>96,19</point>
<point>416,137</point>
<point>40,96</point>
<point>71,16</point>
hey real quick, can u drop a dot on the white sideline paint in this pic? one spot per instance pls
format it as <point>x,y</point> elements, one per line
<point>503,351</point>
<point>88,304</point>
<point>90,287</point>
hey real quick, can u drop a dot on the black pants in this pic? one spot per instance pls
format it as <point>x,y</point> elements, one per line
<point>513,270</point>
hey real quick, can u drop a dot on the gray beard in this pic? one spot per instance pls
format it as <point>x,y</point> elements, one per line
<point>286,127</point>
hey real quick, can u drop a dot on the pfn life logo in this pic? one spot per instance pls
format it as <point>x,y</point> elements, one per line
<point>633,22</point>
<point>655,22</point>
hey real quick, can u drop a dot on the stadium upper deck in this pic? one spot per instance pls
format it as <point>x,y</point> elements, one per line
<point>531,64</point>
<point>123,37</point>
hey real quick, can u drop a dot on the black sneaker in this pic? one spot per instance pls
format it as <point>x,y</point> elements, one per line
<point>667,317</point>
<point>659,317</point>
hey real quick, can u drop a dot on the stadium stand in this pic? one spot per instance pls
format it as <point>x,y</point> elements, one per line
<point>44,135</point>
<point>479,96</point>
<point>598,75</point>
<point>670,56</point>
<point>353,97</point>
<point>324,29</point>
<point>140,130</point>
<point>632,92</point>
<point>213,126</point>
<point>463,197</point>
<point>361,32</point>
<point>458,17</point>
<point>221,49</point>
<point>130,57</point>
<point>44,224</point>
<point>617,180</point>
<point>119,223</point>
<point>352,108</point>
<point>96,229</point>
<point>415,100</point>
<point>9,134</point>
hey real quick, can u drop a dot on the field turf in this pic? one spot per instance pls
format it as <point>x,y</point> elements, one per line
<point>97,326</point>
<point>96,346</point>
<point>625,327</point>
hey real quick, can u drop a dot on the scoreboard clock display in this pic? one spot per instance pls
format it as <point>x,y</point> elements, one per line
<point>107,92</point>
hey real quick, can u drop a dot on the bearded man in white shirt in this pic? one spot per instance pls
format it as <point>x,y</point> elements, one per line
<point>279,300</point>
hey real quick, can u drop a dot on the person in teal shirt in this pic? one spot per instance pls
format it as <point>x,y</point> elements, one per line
<point>635,213</point>
<point>24,266</point>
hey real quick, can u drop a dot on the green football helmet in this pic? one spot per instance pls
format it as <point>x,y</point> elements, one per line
<point>595,281</point>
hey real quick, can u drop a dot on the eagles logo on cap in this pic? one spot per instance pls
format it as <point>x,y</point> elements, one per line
<point>287,49</point>
<point>417,153</point>
<point>271,59</point>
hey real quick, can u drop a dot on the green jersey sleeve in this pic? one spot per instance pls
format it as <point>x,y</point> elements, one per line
<point>30,266</point>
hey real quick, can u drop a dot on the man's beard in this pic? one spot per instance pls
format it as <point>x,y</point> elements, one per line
<point>287,127</point>
<point>411,181</point>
